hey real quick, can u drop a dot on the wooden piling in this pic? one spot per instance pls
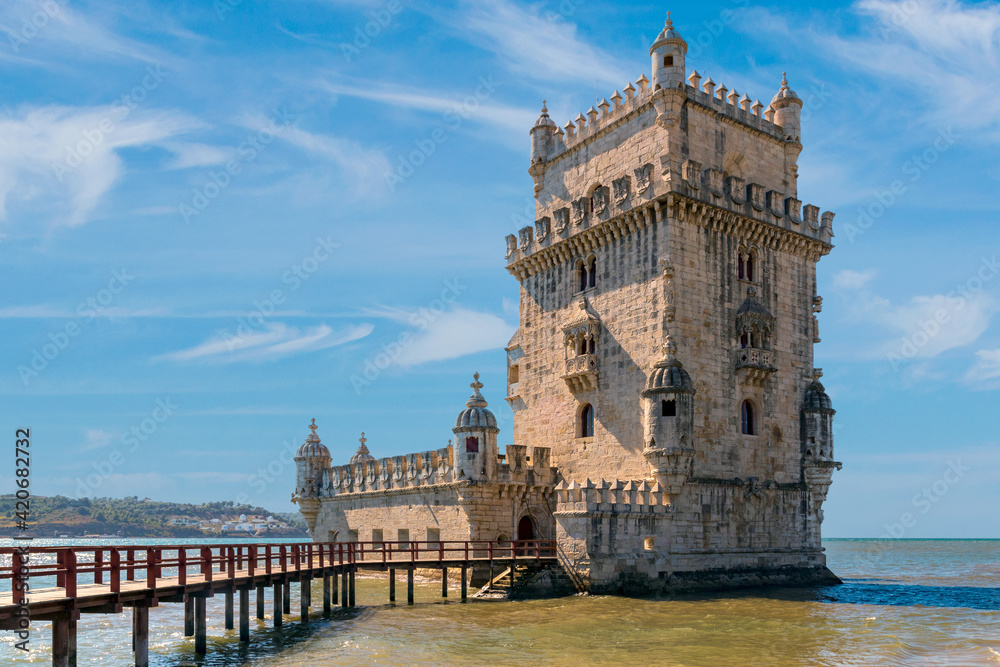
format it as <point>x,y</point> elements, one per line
<point>229,609</point>
<point>465,583</point>
<point>245,614</point>
<point>189,616</point>
<point>444,582</point>
<point>409,585</point>
<point>60,640</point>
<point>72,640</point>
<point>140,635</point>
<point>286,597</point>
<point>200,626</point>
<point>277,604</point>
<point>327,606</point>
<point>304,594</point>
<point>344,586</point>
<point>351,596</point>
<point>392,584</point>
<point>260,602</point>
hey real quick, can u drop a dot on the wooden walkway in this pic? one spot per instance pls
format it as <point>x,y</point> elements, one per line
<point>57,584</point>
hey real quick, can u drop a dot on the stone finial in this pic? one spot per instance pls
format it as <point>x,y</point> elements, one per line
<point>629,91</point>
<point>362,448</point>
<point>616,99</point>
<point>604,106</point>
<point>733,97</point>
<point>708,87</point>
<point>720,92</point>
<point>694,79</point>
<point>570,129</point>
<point>769,114</point>
<point>668,24</point>
<point>745,103</point>
<point>592,114</point>
<point>643,82</point>
<point>669,348</point>
<point>756,106</point>
<point>476,400</point>
<point>581,122</point>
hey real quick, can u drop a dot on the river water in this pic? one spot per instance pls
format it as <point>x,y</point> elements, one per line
<point>908,602</point>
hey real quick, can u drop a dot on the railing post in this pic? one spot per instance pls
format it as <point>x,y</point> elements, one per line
<point>251,559</point>
<point>116,571</point>
<point>150,568</point>
<point>98,566</point>
<point>18,570</point>
<point>231,563</point>
<point>182,566</point>
<point>466,550</point>
<point>130,568</point>
<point>70,573</point>
<point>297,557</point>
<point>61,568</point>
<point>206,563</point>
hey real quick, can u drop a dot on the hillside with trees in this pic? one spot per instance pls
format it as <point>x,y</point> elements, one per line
<point>131,517</point>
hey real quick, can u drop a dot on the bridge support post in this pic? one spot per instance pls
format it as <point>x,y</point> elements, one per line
<point>200,626</point>
<point>305,584</point>
<point>277,604</point>
<point>327,606</point>
<point>140,635</point>
<point>189,616</point>
<point>260,601</point>
<point>344,586</point>
<point>286,597</point>
<point>392,584</point>
<point>351,596</point>
<point>229,609</point>
<point>465,584</point>
<point>61,631</point>
<point>444,582</point>
<point>72,640</point>
<point>334,579</point>
<point>409,585</point>
<point>245,614</point>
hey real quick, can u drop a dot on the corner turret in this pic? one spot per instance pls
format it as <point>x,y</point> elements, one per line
<point>668,53</point>
<point>668,410</point>
<point>311,460</point>
<point>476,438</point>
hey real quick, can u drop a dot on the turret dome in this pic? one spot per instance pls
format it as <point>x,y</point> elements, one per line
<point>668,36</point>
<point>544,120</point>
<point>785,94</point>
<point>475,414</point>
<point>312,447</point>
<point>668,375</point>
<point>817,400</point>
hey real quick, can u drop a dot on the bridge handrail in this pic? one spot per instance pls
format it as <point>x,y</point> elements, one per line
<point>225,560</point>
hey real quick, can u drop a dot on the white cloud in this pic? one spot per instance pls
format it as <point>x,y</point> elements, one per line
<point>365,168</point>
<point>95,438</point>
<point>449,335</point>
<point>274,341</point>
<point>61,161</point>
<point>986,369</point>
<point>848,279</point>
<point>536,44</point>
<point>196,155</point>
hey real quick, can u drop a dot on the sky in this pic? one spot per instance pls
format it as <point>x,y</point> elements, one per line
<point>219,220</point>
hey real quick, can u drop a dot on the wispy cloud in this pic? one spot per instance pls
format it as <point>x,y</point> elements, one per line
<point>365,168</point>
<point>848,279</point>
<point>196,155</point>
<point>61,161</point>
<point>449,335</point>
<point>96,438</point>
<point>274,341</point>
<point>985,372</point>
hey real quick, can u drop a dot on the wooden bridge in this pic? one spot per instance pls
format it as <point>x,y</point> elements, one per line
<point>57,584</point>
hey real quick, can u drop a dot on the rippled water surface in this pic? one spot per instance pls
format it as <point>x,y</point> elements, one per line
<point>903,603</point>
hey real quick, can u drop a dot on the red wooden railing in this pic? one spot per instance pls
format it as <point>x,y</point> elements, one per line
<point>109,565</point>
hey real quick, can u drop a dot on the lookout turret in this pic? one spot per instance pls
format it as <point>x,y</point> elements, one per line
<point>668,53</point>
<point>476,437</point>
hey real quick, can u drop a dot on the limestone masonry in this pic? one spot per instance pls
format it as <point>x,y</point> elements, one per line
<point>672,431</point>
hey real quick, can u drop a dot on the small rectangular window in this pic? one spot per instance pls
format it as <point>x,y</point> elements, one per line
<point>377,537</point>
<point>668,408</point>
<point>668,61</point>
<point>472,444</point>
<point>512,374</point>
<point>433,537</point>
<point>650,544</point>
<point>403,538</point>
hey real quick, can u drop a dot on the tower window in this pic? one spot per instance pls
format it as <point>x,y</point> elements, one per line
<point>746,340</point>
<point>592,346</point>
<point>592,272</point>
<point>750,268</point>
<point>668,408</point>
<point>472,444</point>
<point>581,271</point>
<point>747,419</point>
<point>668,61</point>
<point>513,373</point>
<point>586,429</point>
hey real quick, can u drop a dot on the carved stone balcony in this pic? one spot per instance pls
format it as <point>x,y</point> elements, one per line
<point>754,366</point>
<point>513,391</point>
<point>581,372</point>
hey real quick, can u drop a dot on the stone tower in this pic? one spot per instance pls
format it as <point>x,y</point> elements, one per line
<point>669,220</point>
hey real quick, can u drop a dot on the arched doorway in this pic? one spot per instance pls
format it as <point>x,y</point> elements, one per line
<point>525,528</point>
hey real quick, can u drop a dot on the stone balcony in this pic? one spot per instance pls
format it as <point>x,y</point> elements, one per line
<point>754,366</point>
<point>513,391</point>
<point>581,372</point>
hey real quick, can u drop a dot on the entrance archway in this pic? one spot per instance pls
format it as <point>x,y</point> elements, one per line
<point>525,528</point>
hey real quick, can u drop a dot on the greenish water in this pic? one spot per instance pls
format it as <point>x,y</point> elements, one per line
<point>911,602</point>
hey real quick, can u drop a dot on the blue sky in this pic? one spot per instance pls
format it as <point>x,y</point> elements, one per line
<point>219,220</point>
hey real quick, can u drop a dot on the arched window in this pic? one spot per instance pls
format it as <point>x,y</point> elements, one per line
<point>592,272</point>
<point>586,429</point>
<point>746,340</point>
<point>592,346</point>
<point>582,347</point>
<point>748,427</point>
<point>472,444</point>
<point>750,268</point>
<point>581,276</point>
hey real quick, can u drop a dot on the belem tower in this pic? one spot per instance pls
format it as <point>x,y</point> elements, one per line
<point>671,432</point>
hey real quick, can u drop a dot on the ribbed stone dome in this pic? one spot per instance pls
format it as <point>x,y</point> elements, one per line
<point>544,120</point>
<point>475,414</point>
<point>785,94</point>
<point>817,399</point>
<point>668,376</point>
<point>668,35</point>
<point>312,447</point>
<point>362,455</point>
